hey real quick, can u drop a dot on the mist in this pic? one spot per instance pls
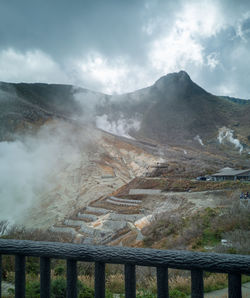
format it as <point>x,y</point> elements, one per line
<point>226,134</point>
<point>33,165</point>
<point>198,138</point>
<point>121,127</point>
<point>91,102</point>
<point>30,166</point>
<point>88,101</point>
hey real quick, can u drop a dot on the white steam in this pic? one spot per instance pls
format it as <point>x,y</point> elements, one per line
<point>121,127</point>
<point>198,138</point>
<point>30,167</point>
<point>226,134</point>
<point>88,101</point>
<point>22,175</point>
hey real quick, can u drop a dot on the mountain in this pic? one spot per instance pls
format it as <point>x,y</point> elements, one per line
<point>24,106</point>
<point>174,110</point>
<point>237,100</point>
<point>104,184</point>
<point>185,110</point>
<point>177,110</point>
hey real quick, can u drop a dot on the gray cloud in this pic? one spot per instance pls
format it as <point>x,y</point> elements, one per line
<point>119,46</point>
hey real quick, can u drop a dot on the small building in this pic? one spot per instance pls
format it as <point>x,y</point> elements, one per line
<point>231,174</point>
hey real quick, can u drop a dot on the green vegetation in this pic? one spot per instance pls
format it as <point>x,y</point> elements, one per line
<point>58,289</point>
<point>202,230</point>
<point>60,270</point>
<point>179,280</point>
<point>172,231</point>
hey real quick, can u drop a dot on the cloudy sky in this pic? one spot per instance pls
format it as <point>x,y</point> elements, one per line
<point>117,46</point>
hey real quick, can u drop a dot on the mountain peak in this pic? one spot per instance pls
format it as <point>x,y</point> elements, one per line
<point>182,74</point>
<point>178,83</point>
<point>173,78</point>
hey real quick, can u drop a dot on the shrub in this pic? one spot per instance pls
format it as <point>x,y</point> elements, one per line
<point>33,289</point>
<point>176,294</point>
<point>32,266</point>
<point>58,288</point>
<point>85,292</point>
<point>145,294</point>
<point>59,270</point>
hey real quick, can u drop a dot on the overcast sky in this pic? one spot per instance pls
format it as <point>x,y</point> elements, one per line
<point>117,46</point>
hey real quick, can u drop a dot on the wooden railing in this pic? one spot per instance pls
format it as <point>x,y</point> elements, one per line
<point>196,262</point>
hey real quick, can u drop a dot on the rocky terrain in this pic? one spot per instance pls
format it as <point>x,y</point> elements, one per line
<point>111,164</point>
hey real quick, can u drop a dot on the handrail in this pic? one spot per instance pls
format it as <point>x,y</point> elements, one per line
<point>197,262</point>
<point>178,259</point>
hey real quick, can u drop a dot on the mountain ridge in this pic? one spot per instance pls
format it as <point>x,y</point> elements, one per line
<point>173,110</point>
<point>181,132</point>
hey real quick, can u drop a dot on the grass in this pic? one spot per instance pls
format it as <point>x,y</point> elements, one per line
<point>179,280</point>
<point>179,283</point>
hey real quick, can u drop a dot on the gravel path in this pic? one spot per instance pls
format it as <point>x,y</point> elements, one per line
<point>224,292</point>
<point>5,287</point>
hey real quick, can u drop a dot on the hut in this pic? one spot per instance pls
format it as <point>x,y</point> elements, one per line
<point>232,174</point>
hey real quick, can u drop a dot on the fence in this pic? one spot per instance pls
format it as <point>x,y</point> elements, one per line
<point>196,262</point>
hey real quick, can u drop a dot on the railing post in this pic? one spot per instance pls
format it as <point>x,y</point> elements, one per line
<point>162,282</point>
<point>19,276</point>
<point>99,280</point>
<point>0,275</point>
<point>234,286</point>
<point>130,284</point>
<point>71,279</point>
<point>197,288</point>
<point>44,277</point>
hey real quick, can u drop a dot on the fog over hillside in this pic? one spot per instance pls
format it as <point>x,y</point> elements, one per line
<point>125,124</point>
<point>31,165</point>
<point>50,130</point>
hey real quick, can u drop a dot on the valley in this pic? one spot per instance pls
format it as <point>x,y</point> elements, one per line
<point>111,170</point>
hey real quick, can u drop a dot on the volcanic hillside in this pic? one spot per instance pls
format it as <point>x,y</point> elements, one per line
<point>176,110</point>
<point>25,107</point>
<point>104,185</point>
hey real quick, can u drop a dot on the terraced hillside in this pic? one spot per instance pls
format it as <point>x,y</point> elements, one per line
<point>101,167</point>
<point>101,164</point>
<point>123,218</point>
